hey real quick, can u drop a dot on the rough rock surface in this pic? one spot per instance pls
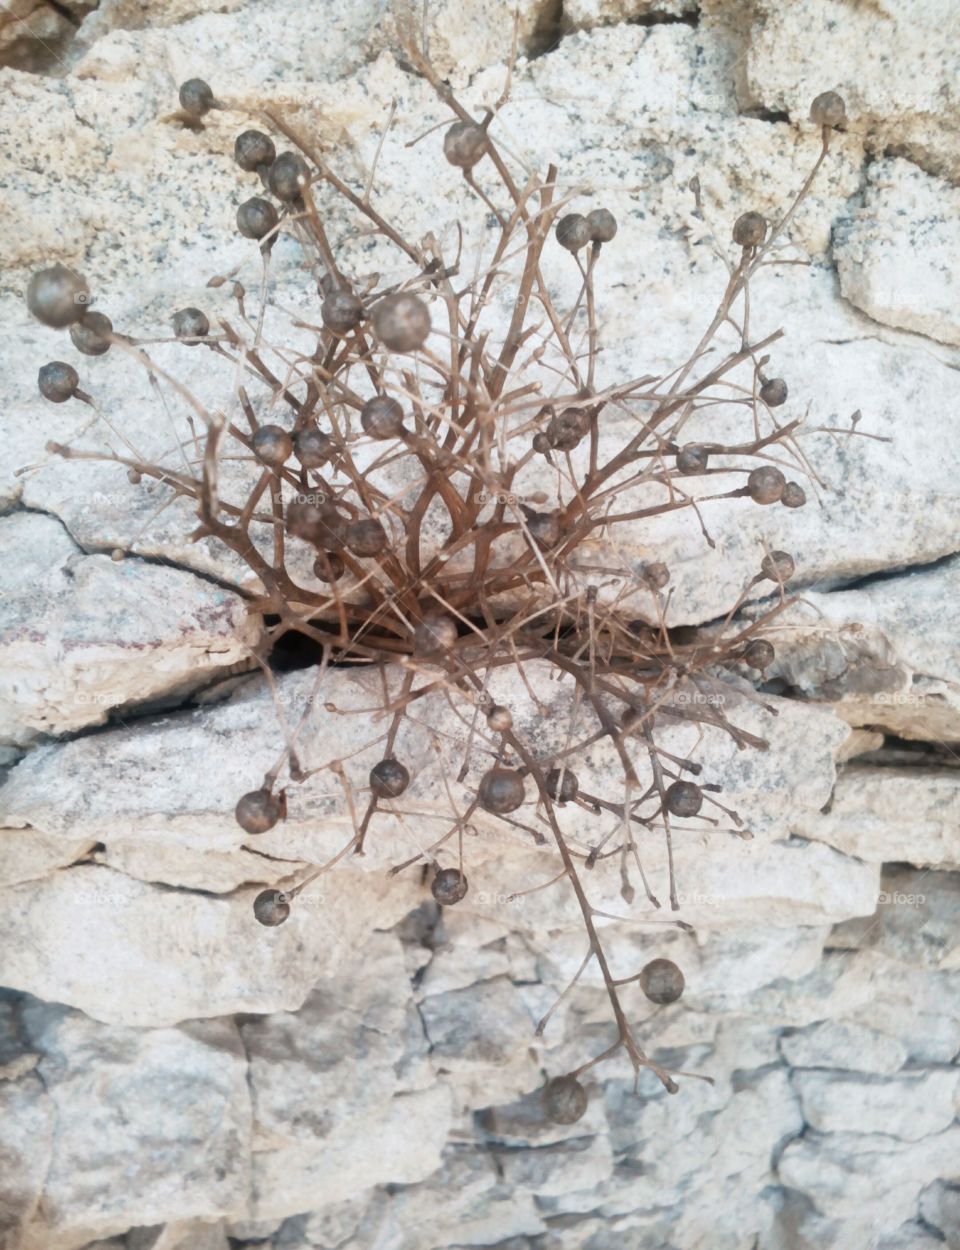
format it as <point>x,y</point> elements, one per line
<point>83,637</point>
<point>367,1075</point>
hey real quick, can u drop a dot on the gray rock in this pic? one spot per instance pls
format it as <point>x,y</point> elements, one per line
<point>843,1044</point>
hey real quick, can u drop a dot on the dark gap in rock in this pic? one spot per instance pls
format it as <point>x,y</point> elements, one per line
<point>761,114</point>
<point>691,19</point>
<point>909,753</point>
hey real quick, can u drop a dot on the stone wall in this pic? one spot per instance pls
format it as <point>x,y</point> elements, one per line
<point>366,1077</point>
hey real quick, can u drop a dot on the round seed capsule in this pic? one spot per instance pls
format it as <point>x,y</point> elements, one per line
<point>388,779</point>
<point>134,477</point>
<point>563,790</point>
<point>256,217</point>
<point>58,296</point>
<point>314,522</point>
<point>312,447</point>
<point>449,886</point>
<point>190,323</point>
<point>328,567</point>
<point>196,97</point>
<point>656,575</point>
<point>464,144</point>
<point>382,417</point>
<point>566,429</point>
<point>271,908</point>
<point>501,790</point>
<point>794,496</point>
<point>778,566</point>
<point>750,229</point>
<point>692,459</point>
<point>500,719</point>
<point>253,149</point>
<point>58,381</point>
<point>683,798</point>
<point>341,312</point>
<point>828,109</point>
<point>366,537</point>
<point>401,322</point>
<point>91,334</point>
<point>573,232</point>
<point>541,443</point>
<point>662,981</point>
<point>288,176</point>
<point>257,811</point>
<point>435,635</point>
<point>272,445</point>
<point>564,1100</point>
<point>602,225</point>
<point>773,392</point>
<point>759,654</point>
<point>765,485</point>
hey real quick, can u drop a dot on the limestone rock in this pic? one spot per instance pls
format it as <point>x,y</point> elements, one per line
<point>882,654</point>
<point>870,1178</point>
<point>81,636</point>
<point>910,1105</point>
<point>168,1109</point>
<point>865,818</point>
<point>128,952</point>
<point>843,1044</point>
<point>32,34</point>
<point>27,1122</point>
<point>896,68</point>
<point>915,922</point>
<point>898,255</point>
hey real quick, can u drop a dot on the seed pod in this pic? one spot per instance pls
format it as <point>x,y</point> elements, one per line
<point>500,719</point>
<point>602,225</point>
<point>287,177</point>
<point>573,232</point>
<point>449,886</point>
<point>272,445</point>
<point>196,97</point>
<point>828,109</point>
<point>501,790</point>
<point>683,798</point>
<point>257,811</point>
<point>566,429</point>
<point>253,150</point>
<point>656,575</point>
<point>544,527</point>
<point>312,447</point>
<point>662,981</point>
<point>464,144</point>
<point>401,322</point>
<point>365,537</point>
<point>382,417</point>
<point>58,381</point>
<point>256,217</point>
<point>541,444</point>
<point>388,779</point>
<point>759,654</point>
<point>765,485</point>
<point>328,567</point>
<point>341,312</point>
<point>314,522</point>
<point>564,1100</point>
<point>134,477</point>
<point>692,459</point>
<point>57,296</point>
<point>190,323</point>
<point>750,229</point>
<point>91,334</point>
<point>435,635</point>
<point>271,907</point>
<point>778,566</point>
<point>773,392</point>
<point>562,791</point>
<point>794,496</point>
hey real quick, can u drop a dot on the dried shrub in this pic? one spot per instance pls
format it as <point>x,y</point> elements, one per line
<point>416,398</point>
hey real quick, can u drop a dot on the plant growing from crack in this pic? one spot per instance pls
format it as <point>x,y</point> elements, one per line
<point>416,399</point>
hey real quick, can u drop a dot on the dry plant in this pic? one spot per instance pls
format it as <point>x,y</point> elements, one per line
<point>416,401</point>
